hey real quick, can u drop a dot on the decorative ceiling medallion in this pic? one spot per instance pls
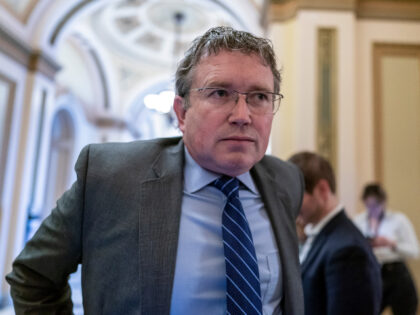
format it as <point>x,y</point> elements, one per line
<point>157,30</point>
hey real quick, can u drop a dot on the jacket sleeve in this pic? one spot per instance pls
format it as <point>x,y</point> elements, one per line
<point>353,282</point>
<point>39,278</point>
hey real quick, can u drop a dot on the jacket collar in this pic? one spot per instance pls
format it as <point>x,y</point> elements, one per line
<point>321,238</point>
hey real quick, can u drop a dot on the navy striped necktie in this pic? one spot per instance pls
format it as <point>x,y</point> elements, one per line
<point>243,292</point>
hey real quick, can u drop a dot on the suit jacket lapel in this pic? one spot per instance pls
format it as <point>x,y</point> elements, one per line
<point>159,219</point>
<point>320,239</point>
<point>315,248</point>
<point>276,202</point>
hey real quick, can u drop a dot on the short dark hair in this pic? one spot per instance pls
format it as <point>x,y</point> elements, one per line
<point>374,190</point>
<point>314,168</point>
<point>223,38</point>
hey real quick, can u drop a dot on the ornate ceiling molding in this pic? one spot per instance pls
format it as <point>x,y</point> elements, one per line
<point>33,60</point>
<point>282,10</point>
<point>149,31</point>
<point>23,14</point>
<point>394,10</point>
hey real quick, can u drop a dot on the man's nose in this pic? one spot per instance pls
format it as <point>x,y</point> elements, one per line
<point>240,113</point>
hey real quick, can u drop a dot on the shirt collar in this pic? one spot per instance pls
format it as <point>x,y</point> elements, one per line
<point>312,230</point>
<point>196,177</point>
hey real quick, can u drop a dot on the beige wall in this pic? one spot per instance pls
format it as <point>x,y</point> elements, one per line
<point>284,132</point>
<point>295,43</point>
<point>400,137</point>
<point>294,128</point>
<point>368,33</point>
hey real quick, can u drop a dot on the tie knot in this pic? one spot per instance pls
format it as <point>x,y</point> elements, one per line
<point>228,185</point>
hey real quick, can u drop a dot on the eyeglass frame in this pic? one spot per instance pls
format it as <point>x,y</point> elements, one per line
<point>275,108</point>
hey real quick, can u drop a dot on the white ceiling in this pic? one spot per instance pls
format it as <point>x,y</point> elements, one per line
<point>147,29</point>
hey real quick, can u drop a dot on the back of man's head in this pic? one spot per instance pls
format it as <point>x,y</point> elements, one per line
<point>314,167</point>
<point>219,39</point>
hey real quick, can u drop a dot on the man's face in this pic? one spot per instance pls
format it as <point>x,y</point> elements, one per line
<point>374,206</point>
<point>310,212</point>
<point>226,141</point>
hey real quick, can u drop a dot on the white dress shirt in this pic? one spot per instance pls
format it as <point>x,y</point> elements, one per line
<point>200,281</point>
<point>312,230</point>
<point>396,227</point>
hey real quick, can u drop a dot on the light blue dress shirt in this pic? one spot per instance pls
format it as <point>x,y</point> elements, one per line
<point>199,283</point>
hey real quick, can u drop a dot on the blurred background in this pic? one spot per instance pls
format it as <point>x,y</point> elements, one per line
<point>76,72</point>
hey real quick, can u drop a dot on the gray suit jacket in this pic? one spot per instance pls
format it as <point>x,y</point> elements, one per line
<point>120,219</point>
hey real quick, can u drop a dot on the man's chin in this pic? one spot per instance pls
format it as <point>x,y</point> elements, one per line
<point>237,166</point>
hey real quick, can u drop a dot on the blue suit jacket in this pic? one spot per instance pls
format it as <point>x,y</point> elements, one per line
<point>340,273</point>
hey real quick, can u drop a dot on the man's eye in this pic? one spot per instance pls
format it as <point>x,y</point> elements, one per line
<point>219,93</point>
<point>259,97</point>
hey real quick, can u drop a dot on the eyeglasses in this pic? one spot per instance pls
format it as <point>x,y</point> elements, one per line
<point>259,102</point>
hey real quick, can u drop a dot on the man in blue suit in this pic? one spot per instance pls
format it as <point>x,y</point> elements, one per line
<point>339,272</point>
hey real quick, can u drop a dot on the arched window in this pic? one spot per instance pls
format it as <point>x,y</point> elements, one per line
<point>151,115</point>
<point>59,167</point>
<point>60,158</point>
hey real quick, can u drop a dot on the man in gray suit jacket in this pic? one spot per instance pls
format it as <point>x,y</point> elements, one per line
<point>145,220</point>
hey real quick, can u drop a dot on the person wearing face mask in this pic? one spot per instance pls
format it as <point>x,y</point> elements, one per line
<point>393,240</point>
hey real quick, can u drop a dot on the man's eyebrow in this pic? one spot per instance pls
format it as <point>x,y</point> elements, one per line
<point>260,88</point>
<point>218,84</point>
<point>255,87</point>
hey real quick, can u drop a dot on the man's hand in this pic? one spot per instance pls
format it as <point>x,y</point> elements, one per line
<point>381,241</point>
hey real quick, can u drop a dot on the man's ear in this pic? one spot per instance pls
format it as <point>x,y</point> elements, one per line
<point>323,187</point>
<point>180,111</point>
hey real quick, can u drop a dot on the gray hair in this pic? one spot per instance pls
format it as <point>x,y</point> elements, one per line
<point>228,39</point>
